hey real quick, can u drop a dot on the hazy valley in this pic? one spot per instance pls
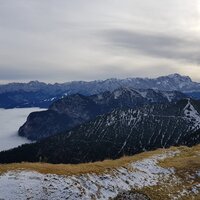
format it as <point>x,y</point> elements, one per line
<point>11,120</point>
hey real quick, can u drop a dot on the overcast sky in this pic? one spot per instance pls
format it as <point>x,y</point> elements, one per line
<point>64,40</point>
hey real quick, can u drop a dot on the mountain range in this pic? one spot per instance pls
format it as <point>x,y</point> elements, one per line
<point>92,121</point>
<point>39,94</point>
<point>72,110</point>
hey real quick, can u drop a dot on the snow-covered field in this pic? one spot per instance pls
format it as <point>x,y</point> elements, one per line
<point>10,121</point>
<point>21,185</point>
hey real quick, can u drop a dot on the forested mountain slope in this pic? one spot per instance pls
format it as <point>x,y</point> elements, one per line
<point>70,111</point>
<point>121,132</point>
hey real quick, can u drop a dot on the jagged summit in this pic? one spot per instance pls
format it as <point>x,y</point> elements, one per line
<point>36,83</point>
<point>178,76</point>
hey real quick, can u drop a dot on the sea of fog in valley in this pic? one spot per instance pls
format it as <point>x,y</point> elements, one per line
<point>10,121</point>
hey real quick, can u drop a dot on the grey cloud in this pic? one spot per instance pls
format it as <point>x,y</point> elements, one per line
<point>156,45</point>
<point>62,40</point>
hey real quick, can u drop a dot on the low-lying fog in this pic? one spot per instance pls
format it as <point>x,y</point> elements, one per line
<point>10,121</point>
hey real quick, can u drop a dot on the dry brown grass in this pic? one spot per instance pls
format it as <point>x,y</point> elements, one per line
<point>76,169</point>
<point>188,160</point>
<point>185,164</point>
<point>168,190</point>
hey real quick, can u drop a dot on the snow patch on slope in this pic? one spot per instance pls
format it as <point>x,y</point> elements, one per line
<point>143,93</point>
<point>169,95</point>
<point>117,94</point>
<point>192,114</point>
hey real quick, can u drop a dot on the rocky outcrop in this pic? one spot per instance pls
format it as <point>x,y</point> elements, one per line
<point>131,196</point>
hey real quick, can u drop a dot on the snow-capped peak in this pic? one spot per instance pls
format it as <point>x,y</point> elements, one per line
<point>179,77</point>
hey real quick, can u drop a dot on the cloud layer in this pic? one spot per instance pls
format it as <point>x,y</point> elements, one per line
<point>157,45</point>
<point>71,40</point>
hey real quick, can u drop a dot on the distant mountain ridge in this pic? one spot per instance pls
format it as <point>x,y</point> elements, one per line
<point>72,110</point>
<point>40,94</point>
<point>121,132</point>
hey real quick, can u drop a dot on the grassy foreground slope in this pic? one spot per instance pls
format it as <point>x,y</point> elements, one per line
<point>78,169</point>
<point>186,180</point>
<point>162,174</point>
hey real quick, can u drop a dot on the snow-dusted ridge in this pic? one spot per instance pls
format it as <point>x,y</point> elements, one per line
<point>21,185</point>
<point>165,174</point>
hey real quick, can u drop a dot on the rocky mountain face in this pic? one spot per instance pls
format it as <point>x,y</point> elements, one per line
<point>41,94</point>
<point>121,132</point>
<point>73,110</point>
